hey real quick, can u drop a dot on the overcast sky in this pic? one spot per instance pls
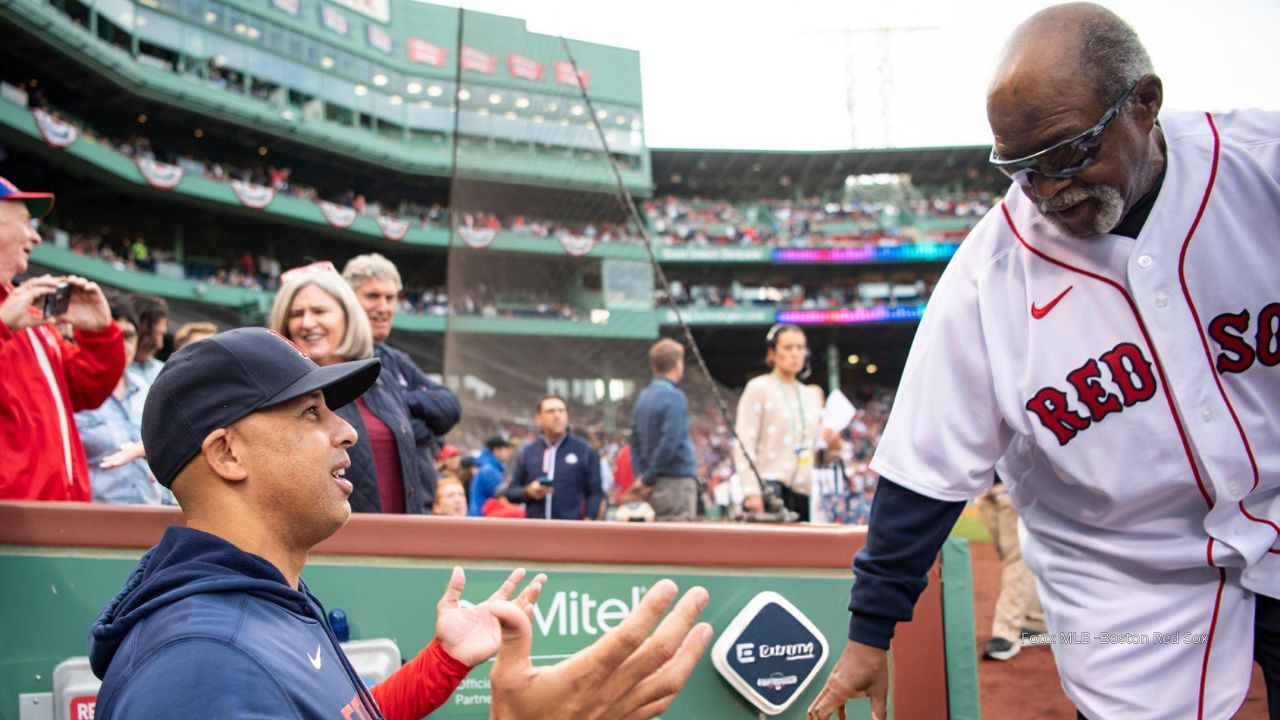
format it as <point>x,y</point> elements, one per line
<point>777,75</point>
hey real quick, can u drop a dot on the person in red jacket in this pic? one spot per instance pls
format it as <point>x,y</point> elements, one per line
<point>47,378</point>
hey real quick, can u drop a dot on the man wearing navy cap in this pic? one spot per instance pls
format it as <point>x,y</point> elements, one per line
<point>215,620</point>
<point>46,378</point>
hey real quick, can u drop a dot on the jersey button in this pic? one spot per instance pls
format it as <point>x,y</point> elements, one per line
<point>1234,488</point>
<point>1161,299</point>
<point>1206,415</point>
<point>1144,261</point>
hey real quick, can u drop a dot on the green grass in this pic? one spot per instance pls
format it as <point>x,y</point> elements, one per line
<point>970,527</point>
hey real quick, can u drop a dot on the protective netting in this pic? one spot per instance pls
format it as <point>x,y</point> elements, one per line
<point>573,314</point>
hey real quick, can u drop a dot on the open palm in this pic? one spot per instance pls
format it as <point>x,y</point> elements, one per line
<point>470,633</point>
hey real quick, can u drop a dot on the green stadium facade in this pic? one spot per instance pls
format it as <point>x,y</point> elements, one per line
<point>410,102</point>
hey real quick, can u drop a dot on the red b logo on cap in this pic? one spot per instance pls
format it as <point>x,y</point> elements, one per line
<point>295,347</point>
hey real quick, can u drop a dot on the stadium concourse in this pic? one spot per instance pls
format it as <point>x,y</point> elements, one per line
<point>200,150</point>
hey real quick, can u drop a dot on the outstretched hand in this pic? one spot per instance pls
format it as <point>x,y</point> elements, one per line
<point>628,674</point>
<point>472,634</point>
<point>861,671</point>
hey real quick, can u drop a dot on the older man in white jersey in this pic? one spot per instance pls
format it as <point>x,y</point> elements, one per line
<point>1108,338</point>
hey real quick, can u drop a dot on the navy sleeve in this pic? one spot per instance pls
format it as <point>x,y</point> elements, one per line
<point>519,479</point>
<point>199,678</point>
<point>595,493</point>
<point>904,535</point>
<point>434,408</point>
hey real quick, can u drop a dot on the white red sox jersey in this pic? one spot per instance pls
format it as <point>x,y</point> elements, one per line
<point>1128,391</point>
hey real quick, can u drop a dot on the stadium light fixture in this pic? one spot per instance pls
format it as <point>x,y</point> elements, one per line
<point>622,119</point>
<point>522,102</point>
<point>483,111</point>
<point>602,114</point>
<point>254,33</point>
<point>413,88</point>
<point>286,115</point>
<point>552,107</point>
<point>142,119</point>
<point>326,62</point>
<point>575,110</point>
<point>360,90</point>
<point>198,133</point>
<point>464,95</point>
<point>495,98</point>
<point>511,115</point>
<point>871,368</point>
<point>140,21</point>
<point>395,100</point>
<point>435,91</point>
<point>425,104</point>
<point>379,79</point>
<point>219,60</point>
<point>853,359</point>
<point>635,124</point>
<point>262,150</point>
<point>211,17</point>
<point>240,28</point>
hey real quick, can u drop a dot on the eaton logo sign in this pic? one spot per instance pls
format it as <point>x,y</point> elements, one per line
<point>770,653</point>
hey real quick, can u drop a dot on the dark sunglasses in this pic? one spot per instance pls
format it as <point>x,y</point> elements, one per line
<point>1065,159</point>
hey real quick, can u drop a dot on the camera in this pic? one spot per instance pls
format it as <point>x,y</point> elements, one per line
<point>57,302</point>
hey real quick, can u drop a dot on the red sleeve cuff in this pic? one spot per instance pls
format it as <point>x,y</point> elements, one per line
<point>421,686</point>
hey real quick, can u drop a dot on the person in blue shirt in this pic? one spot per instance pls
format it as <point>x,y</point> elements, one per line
<point>112,433</point>
<point>491,470</point>
<point>557,476</point>
<point>661,448</point>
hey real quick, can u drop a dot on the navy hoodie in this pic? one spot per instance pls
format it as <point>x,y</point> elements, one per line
<point>204,629</point>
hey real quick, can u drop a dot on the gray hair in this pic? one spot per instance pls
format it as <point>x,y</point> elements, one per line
<point>1112,54</point>
<point>363,268</point>
<point>357,344</point>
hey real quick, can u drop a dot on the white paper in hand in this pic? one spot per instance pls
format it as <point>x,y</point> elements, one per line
<point>839,412</point>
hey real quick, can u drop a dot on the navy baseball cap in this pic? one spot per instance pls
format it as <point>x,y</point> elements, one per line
<point>214,382</point>
<point>38,203</point>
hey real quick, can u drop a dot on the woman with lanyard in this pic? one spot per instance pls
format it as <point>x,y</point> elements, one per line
<point>778,424</point>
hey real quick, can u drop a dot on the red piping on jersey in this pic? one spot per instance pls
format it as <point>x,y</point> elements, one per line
<point>1208,354</point>
<point>1213,626</point>
<point>1177,421</point>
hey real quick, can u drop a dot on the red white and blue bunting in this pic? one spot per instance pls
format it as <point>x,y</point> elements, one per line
<point>575,245</point>
<point>478,238</point>
<point>161,176</point>
<point>57,133</point>
<point>253,196</point>
<point>339,216</point>
<point>393,229</point>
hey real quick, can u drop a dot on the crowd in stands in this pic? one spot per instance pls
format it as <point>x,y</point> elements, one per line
<point>813,222</point>
<point>671,220</point>
<point>796,296</point>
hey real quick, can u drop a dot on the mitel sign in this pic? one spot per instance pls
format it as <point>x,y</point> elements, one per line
<point>770,653</point>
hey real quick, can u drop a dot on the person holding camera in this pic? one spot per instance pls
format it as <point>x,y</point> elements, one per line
<point>557,476</point>
<point>46,377</point>
<point>779,425</point>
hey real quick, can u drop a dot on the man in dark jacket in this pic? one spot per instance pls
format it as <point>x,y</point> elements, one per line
<point>215,620</point>
<point>557,476</point>
<point>404,390</point>
<point>661,447</point>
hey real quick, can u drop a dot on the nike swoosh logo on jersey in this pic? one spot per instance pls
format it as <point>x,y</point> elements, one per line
<point>1040,312</point>
<point>316,660</point>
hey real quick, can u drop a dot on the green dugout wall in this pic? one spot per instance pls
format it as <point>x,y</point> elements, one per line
<point>61,562</point>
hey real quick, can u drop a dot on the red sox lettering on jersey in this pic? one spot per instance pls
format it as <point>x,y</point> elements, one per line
<point>1128,391</point>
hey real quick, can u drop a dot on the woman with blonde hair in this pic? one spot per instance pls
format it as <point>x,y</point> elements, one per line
<point>319,312</point>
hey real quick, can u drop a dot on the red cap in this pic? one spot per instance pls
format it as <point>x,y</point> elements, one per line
<point>38,204</point>
<point>448,451</point>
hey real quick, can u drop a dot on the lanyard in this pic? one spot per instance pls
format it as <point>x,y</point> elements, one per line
<point>797,430</point>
